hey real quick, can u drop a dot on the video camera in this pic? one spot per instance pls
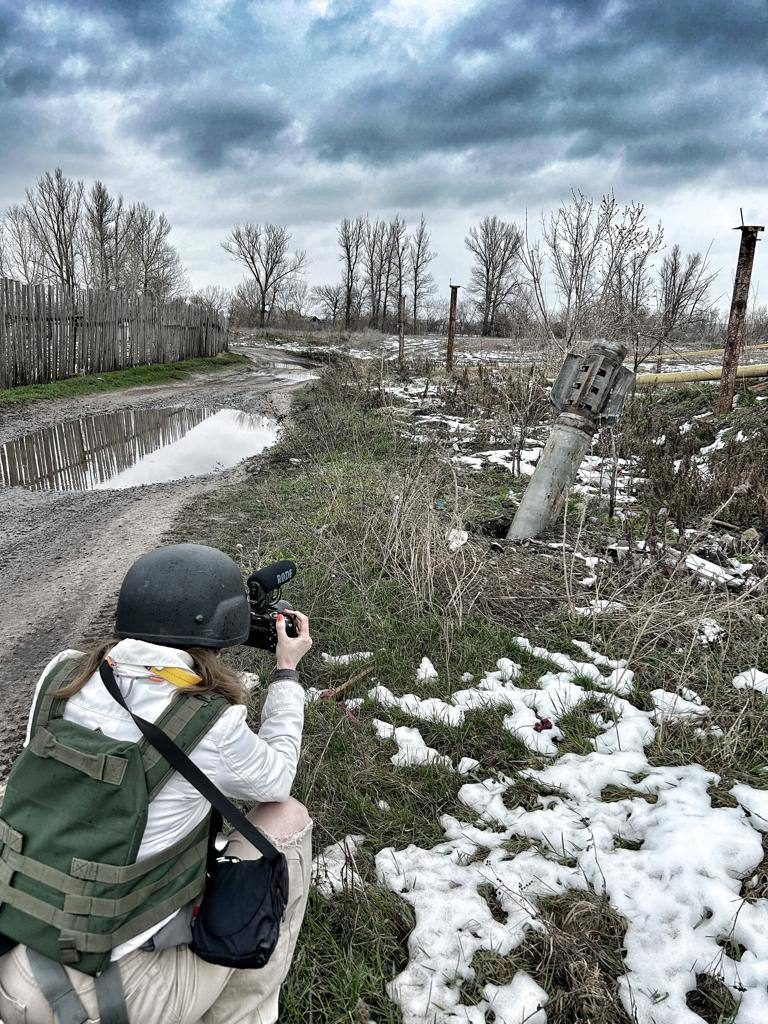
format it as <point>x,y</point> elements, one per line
<point>264,589</point>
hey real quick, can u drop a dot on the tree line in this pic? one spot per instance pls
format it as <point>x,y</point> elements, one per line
<point>64,233</point>
<point>591,267</point>
<point>380,262</point>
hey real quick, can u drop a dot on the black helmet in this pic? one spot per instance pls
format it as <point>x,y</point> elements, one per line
<point>184,595</point>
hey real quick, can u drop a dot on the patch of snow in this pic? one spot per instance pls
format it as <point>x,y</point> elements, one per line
<point>755,801</point>
<point>689,867</point>
<point>752,679</point>
<point>430,709</point>
<point>251,680</point>
<point>426,672</point>
<point>709,632</point>
<point>456,539</point>
<point>673,706</point>
<point>346,659</point>
<point>383,805</point>
<point>597,606</point>
<point>411,748</point>
<point>334,869</point>
<point>467,764</point>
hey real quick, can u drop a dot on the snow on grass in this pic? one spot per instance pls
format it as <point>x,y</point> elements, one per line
<point>334,869</point>
<point>346,659</point>
<point>752,679</point>
<point>430,709</point>
<point>597,606</point>
<point>426,672</point>
<point>646,837</point>
<point>411,748</point>
<point>709,632</point>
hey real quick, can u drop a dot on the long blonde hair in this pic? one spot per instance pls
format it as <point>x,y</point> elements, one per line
<point>218,677</point>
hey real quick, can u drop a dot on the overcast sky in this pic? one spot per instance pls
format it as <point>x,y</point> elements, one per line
<point>304,111</point>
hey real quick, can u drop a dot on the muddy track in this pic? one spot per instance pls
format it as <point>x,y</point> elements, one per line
<point>63,554</point>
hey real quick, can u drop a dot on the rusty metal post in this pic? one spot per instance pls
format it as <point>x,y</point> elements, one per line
<point>451,328</point>
<point>734,337</point>
<point>401,330</point>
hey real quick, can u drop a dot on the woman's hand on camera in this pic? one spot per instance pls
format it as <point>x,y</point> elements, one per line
<point>291,649</point>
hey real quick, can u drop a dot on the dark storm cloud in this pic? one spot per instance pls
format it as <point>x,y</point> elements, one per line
<point>35,47</point>
<point>654,82</point>
<point>207,126</point>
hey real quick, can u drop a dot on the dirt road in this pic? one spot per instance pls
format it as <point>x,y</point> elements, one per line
<point>63,554</point>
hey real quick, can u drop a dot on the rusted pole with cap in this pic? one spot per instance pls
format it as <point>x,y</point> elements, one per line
<point>734,337</point>
<point>451,328</point>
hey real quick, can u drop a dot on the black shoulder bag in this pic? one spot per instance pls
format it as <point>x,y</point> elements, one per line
<point>238,922</point>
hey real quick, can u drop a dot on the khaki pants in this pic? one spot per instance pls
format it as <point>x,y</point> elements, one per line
<point>173,986</point>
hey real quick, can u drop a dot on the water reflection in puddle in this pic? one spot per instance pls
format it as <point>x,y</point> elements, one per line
<point>132,447</point>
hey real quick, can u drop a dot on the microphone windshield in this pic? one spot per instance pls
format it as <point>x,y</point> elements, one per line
<point>275,575</point>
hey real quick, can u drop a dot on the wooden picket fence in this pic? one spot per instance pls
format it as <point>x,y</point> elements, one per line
<point>49,333</point>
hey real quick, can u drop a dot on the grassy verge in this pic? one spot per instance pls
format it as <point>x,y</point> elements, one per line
<point>134,376</point>
<point>365,514</point>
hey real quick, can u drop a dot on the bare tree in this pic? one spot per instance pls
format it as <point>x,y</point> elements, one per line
<point>214,298</point>
<point>598,254</point>
<point>391,250</point>
<point>293,298</point>
<point>153,264</point>
<point>21,253</point>
<point>53,209</point>
<point>374,242</point>
<point>399,259</point>
<point>495,245</point>
<point>351,236</point>
<point>682,297</point>
<point>420,257</point>
<point>263,250</point>
<point>107,230</point>
<point>328,299</point>
<point>246,303</point>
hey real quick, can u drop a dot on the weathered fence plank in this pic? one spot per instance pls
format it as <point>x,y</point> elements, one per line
<point>48,332</point>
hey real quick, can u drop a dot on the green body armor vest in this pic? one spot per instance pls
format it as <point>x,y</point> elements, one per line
<point>71,823</point>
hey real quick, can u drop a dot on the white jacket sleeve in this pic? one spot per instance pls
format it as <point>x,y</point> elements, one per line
<point>262,766</point>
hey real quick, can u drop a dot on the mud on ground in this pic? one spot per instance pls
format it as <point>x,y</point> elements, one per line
<point>64,554</point>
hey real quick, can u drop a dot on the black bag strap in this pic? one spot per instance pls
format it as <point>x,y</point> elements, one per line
<point>184,766</point>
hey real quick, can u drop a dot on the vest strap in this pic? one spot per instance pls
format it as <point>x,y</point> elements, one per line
<point>53,981</point>
<point>10,837</point>
<point>12,862</point>
<point>176,716</point>
<point>75,939</point>
<point>116,874</point>
<point>103,767</point>
<point>48,706</point>
<point>186,720</point>
<point>99,906</point>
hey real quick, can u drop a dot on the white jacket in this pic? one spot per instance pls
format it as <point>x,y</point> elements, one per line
<point>244,765</point>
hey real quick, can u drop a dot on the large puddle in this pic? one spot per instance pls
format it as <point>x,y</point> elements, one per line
<point>132,447</point>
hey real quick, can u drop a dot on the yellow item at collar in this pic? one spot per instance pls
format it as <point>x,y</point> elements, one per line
<point>178,676</point>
